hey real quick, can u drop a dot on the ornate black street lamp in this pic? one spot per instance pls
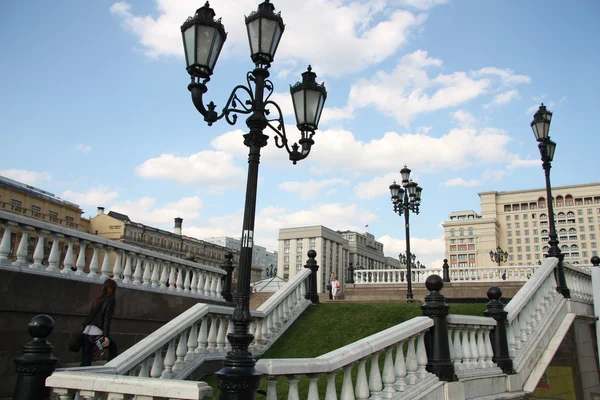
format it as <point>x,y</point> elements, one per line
<point>541,126</point>
<point>498,256</point>
<point>406,198</point>
<point>271,272</point>
<point>350,278</point>
<point>203,38</point>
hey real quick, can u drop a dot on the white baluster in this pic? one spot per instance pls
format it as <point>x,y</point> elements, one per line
<point>293,389</point>
<point>313,387</point>
<point>118,266</point>
<point>192,343</point>
<point>271,388</point>
<point>155,275</point>
<point>169,361</point>
<point>179,281</point>
<point>388,377</point>
<point>489,351</point>
<point>23,248</point>
<point>411,362</point>
<point>450,345</point>
<point>219,285</point>
<point>186,282</point>
<point>128,268</point>
<point>400,368</point>
<point>68,262</point>
<point>64,394</point>
<point>258,338</point>
<point>157,364</point>
<point>181,351</point>
<point>213,286</point>
<point>164,275</point>
<point>457,349</point>
<point>201,283</point>
<point>361,390</point>
<point>145,369</point>
<point>147,271</point>
<point>421,357</point>
<point>54,256</point>
<point>523,317</point>
<point>203,336</point>
<point>194,282</point>
<point>212,334</point>
<point>137,275</point>
<point>94,262</point>
<point>466,348</point>
<point>229,331</point>
<point>221,339</point>
<point>105,271</point>
<point>473,347</point>
<point>481,351</point>
<point>38,254</point>
<point>80,264</point>
<point>347,389</point>
<point>375,383</point>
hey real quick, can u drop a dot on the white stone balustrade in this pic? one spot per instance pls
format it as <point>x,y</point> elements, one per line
<point>579,282</point>
<point>518,273</point>
<point>70,254</point>
<point>403,376</point>
<point>82,385</point>
<point>471,346</point>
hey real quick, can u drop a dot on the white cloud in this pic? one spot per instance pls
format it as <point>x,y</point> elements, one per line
<point>312,189</point>
<point>503,98</point>
<point>97,196</point>
<point>464,118</point>
<point>507,76</point>
<point>28,177</point>
<point>83,148</point>
<point>145,210</point>
<point>215,169</point>
<point>377,186</point>
<point>520,163</point>
<point>359,34</point>
<point>462,182</point>
<point>426,250</point>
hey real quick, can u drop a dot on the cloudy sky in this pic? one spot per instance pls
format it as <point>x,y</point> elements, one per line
<point>94,107</point>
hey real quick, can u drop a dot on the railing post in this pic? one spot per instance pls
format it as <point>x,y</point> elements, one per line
<point>37,361</point>
<point>228,267</point>
<point>311,263</point>
<point>495,309</point>
<point>446,270</point>
<point>438,349</point>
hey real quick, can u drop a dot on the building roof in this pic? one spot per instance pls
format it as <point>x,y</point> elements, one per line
<point>36,192</point>
<point>119,216</point>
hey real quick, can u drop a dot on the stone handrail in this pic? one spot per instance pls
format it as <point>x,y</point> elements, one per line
<point>579,282</point>
<point>471,346</point>
<point>85,385</point>
<point>463,274</point>
<point>82,256</point>
<point>404,372</point>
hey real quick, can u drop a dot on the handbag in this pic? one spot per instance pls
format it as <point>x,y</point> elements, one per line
<point>76,341</point>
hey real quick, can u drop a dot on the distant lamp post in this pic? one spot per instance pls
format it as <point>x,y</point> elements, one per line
<point>541,127</point>
<point>271,271</point>
<point>203,38</point>
<point>350,273</point>
<point>406,198</point>
<point>499,256</point>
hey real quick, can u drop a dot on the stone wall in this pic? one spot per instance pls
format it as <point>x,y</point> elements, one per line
<point>23,296</point>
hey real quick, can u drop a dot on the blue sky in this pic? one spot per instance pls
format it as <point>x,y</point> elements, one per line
<point>94,107</point>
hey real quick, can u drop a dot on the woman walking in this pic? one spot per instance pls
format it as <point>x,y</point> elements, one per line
<point>335,287</point>
<point>97,324</point>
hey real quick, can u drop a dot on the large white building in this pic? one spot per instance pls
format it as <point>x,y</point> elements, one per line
<point>335,250</point>
<point>261,258</point>
<point>517,222</point>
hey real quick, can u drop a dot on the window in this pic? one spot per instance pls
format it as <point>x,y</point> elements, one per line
<point>509,233</point>
<point>518,241</point>
<point>508,217</point>
<point>526,232</point>
<point>298,259</point>
<point>525,224</point>
<point>519,249</point>
<point>582,236</point>
<point>510,249</point>
<point>507,208</point>
<point>16,203</point>
<point>516,217</point>
<point>580,220</point>
<point>453,257</point>
<point>53,214</point>
<point>518,233</point>
<point>509,226</point>
<point>517,225</point>
<point>298,242</point>
<point>286,250</point>
<point>69,219</point>
<point>36,209</point>
<point>526,240</point>
<point>536,240</point>
<point>509,241</point>
<point>536,248</point>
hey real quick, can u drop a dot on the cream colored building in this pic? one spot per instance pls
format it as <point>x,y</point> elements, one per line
<point>36,203</point>
<point>333,253</point>
<point>119,227</point>
<point>517,221</point>
<point>365,251</point>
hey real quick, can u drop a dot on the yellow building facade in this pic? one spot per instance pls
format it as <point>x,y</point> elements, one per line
<point>518,222</point>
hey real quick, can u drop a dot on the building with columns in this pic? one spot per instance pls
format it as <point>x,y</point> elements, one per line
<point>365,251</point>
<point>517,221</point>
<point>119,227</point>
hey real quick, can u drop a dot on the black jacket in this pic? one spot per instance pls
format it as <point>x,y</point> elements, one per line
<point>101,315</point>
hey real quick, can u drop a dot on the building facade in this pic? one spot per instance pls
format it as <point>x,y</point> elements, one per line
<point>333,253</point>
<point>518,222</point>
<point>36,203</point>
<point>365,251</point>
<point>119,227</point>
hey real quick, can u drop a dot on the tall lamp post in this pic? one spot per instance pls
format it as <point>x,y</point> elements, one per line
<point>541,127</point>
<point>406,198</point>
<point>203,38</point>
<point>498,256</point>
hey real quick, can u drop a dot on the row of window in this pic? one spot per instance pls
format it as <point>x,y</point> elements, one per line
<point>560,202</point>
<point>37,209</point>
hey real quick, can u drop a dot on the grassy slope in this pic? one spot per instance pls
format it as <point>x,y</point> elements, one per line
<point>329,326</point>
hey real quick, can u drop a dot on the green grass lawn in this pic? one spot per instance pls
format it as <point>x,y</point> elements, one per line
<point>329,326</point>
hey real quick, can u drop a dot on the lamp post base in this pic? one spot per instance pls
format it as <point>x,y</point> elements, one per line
<point>238,383</point>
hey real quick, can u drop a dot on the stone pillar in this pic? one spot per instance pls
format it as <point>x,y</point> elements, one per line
<point>228,267</point>
<point>446,270</point>
<point>37,361</point>
<point>495,309</point>
<point>438,345</point>
<point>312,292</point>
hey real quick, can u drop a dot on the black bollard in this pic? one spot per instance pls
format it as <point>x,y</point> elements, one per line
<point>37,361</point>
<point>438,346</point>
<point>228,267</point>
<point>446,271</point>
<point>495,309</point>
<point>311,263</point>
